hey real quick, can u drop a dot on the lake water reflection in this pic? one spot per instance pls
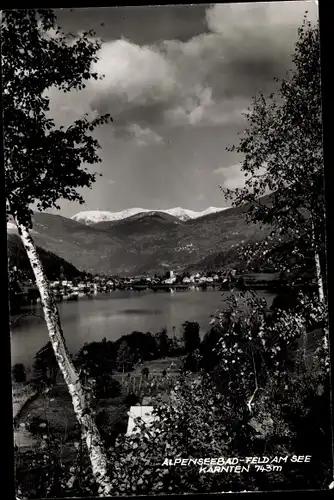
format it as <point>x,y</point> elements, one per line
<point>116,314</point>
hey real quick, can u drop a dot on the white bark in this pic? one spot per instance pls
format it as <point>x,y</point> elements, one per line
<point>250,402</point>
<point>320,285</point>
<point>320,282</point>
<point>81,407</point>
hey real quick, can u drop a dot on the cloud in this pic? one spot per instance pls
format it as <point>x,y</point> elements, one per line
<point>70,106</point>
<point>142,25</point>
<point>144,136</point>
<point>134,73</point>
<point>111,182</point>
<point>206,80</point>
<point>231,177</point>
<point>219,171</point>
<point>223,18</point>
<point>167,83</point>
<point>202,110</point>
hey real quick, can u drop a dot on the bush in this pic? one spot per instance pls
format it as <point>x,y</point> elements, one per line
<point>163,343</point>
<point>19,373</point>
<point>192,361</point>
<point>143,346</point>
<point>96,359</point>
<point>285,301</point>
<point>191,337</point>
<point>37,426</point>
<point>257,406</point>
<point>106,387</point>
<point>131,400</point>
<point>208,352</point>
<point>43,474</point>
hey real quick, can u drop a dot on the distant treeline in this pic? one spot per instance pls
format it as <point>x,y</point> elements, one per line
<point>99,360</point>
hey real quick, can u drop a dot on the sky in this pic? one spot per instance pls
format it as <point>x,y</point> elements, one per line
<point>177,80</point>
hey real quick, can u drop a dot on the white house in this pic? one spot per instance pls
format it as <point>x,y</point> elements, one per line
<point>143,412</point>
<point>195,277</point>
<point>170,281</point>
<point>66,283</point>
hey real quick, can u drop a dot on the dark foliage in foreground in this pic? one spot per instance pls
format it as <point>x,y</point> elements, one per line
<point>19,373</point>
<point>288,414</point>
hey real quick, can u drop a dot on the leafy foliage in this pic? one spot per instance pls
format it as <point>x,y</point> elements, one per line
<point>289,413</point>
<point>94,357</point>
<point>191,338</point>
<point>258,405</point>
<point>282,151</point>
<point>181,429</point>
<point>125,358</point>
<point>19,373</point>
<point>45,474</point>
<point>44,163</point>
<point>162,341</point>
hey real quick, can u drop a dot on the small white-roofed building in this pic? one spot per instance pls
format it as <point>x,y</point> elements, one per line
<point>144,412</point>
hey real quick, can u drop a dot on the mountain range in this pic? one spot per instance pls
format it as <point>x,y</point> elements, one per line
<point>146,242</point>
<point>183,214</point>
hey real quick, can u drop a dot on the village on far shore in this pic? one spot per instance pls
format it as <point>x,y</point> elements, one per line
<point>76,288</point>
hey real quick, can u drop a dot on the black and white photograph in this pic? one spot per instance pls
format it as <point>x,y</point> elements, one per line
<point>166,249</point>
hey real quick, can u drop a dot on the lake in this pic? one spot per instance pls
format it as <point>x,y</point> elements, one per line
<point>115,314</point>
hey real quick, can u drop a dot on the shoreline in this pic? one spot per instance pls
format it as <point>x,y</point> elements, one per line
<point>273,286</point>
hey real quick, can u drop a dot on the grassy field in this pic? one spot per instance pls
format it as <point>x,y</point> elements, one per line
<point>156,367</point>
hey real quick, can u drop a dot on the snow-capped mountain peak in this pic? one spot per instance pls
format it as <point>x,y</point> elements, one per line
<point>181,213</point>
<point>94,216</point>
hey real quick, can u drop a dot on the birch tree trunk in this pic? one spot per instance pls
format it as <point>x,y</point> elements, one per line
<point>321,294</point>
<point>81,406</point>
<point>320,282</point>
<point>320,286</point>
